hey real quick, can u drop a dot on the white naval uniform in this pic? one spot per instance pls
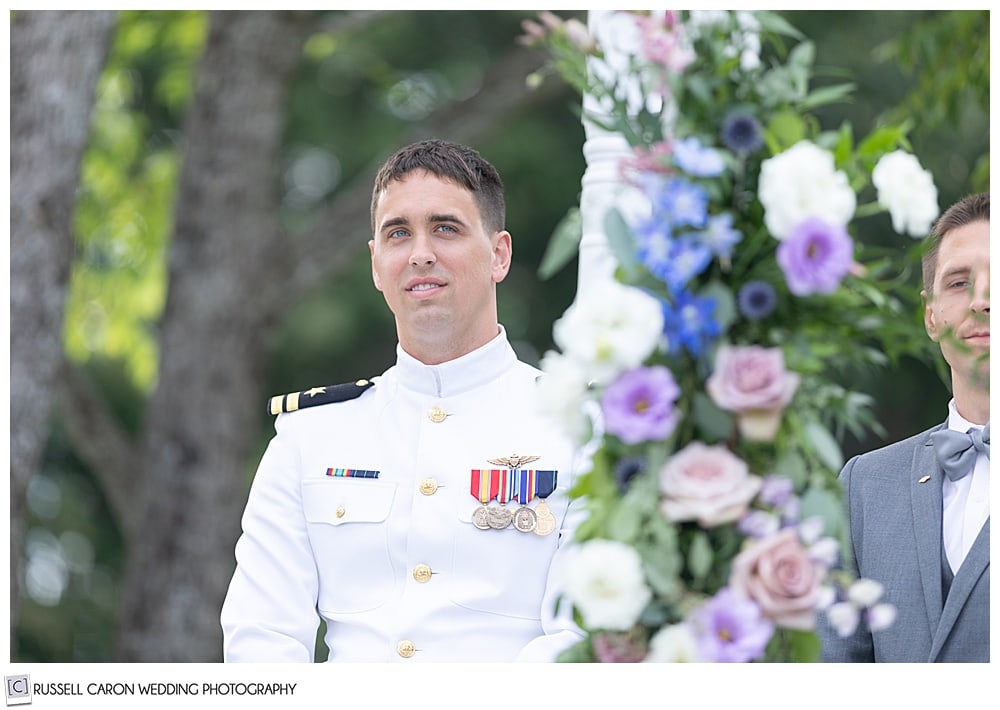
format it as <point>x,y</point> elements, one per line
<point>358,549</point>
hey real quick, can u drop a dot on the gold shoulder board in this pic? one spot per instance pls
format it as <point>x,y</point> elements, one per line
<point>284,403</point>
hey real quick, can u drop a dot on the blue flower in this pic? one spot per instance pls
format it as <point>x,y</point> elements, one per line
<point>695,159</point>
<point>682,203</point>
<point>688,323</point>
<point>757,300</point>
<point>719,235</point>
<point>741,133</point>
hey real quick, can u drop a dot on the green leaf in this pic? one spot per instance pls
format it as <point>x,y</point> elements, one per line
<point>792,466</point>
<point>725,303</point>
<point>803,646</point>
<point>712,422</point>
<point>620,241</point>
<point>824,445</point>
<point>785,129</point>
<point>563,244</point>
<point>699,557</point>
<point>827,95</point>
<point>817,502</point>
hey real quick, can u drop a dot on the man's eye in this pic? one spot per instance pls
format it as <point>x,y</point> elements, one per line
<point>446,228</point>
<point>396,233</point>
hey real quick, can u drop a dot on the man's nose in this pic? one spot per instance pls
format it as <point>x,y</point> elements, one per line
<point>422,250</point>
<point>981,293</point>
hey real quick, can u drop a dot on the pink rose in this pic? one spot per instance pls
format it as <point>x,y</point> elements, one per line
<point>778,574</point>
<point>706,483</point>
<point>752,382</point>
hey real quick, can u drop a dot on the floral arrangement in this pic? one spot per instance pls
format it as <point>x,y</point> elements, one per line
<point>705,374</point>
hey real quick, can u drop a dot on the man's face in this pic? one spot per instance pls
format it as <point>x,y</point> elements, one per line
<point>957,312</point>
<point>436,266</point>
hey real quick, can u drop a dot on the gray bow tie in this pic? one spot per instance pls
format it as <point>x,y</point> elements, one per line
<point>956,452</point>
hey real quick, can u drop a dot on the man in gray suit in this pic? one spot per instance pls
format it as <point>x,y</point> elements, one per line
<point>919,508</point>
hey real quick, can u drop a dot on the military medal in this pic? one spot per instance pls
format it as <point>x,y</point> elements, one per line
<point>524,518</point>
<point>484,486</point>
<point>545,483</point>
<point>500,516</point>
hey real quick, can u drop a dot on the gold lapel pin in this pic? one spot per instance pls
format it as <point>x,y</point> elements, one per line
<point>924,479</point>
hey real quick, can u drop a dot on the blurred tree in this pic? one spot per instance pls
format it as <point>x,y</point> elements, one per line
<point>56,58</point>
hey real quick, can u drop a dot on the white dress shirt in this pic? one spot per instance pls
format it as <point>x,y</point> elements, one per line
<point>966,501</point>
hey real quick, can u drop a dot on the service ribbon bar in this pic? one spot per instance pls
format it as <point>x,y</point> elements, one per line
<point>525,481</point>
<point>351,473</point>
<point>545,483</point>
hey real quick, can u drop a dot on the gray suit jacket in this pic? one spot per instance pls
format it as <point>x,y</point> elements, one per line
<point>896,540</point>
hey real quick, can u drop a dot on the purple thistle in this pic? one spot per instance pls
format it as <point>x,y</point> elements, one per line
<point>757,300</point>
<point>741,133</point>
<point>815,257</point>
<point>639,405</point>
<point>731,629</point>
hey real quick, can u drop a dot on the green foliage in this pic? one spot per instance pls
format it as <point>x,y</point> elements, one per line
<point>128,180</point>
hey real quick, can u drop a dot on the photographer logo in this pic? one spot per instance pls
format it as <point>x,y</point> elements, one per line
<point>18,689</point>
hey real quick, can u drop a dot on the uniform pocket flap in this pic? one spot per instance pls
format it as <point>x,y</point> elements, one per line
<point>336,502</point>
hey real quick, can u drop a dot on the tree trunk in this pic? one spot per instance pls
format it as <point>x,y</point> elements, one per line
<point>226,262</point>
<point>56,58</point>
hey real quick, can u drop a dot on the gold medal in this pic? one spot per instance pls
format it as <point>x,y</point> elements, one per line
<point>545,521</point>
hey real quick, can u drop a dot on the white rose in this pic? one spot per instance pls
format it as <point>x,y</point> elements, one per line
<point>611,328</point>
<point>605,582</point>
<point>562,395</point>
<point>907,191</point>
<point>673,644</point>
<point>803,182</point>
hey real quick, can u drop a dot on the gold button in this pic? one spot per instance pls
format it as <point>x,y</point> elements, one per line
<point>405,648</point>
<point>340,511</point>
<point>422,573</point>
<point>437,414</point>
<point>428,486</point>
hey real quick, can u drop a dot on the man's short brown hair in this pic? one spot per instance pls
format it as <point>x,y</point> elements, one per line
<point>972,208</point>
<point>450,161</point>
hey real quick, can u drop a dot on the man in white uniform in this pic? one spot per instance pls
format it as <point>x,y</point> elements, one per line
<point>421,514</point>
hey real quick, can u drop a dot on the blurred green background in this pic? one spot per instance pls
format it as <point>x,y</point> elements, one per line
<point>362,84</point>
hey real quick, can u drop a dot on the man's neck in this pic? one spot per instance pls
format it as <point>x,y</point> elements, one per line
<point>973,403</point>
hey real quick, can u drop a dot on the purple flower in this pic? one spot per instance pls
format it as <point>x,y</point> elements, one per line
<point>719,235</point>
<point>695,159</point>
<point>815,256</point>
<point>682,203</point>
<point>639,405</point>
<point>741,133</point>
<point>757,300</point>
<point>731,629</point>
<point>776,491</point>
<point>688,323</point>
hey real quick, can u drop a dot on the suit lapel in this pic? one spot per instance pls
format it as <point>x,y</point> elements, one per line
<point>925,499</point>
<point>972,569</point>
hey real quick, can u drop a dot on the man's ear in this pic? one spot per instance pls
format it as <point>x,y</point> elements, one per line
<point>375,279</point>
<point>503,250</point>
<point>930,322</point>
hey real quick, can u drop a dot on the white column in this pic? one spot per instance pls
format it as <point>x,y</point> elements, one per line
<point>604,150</point>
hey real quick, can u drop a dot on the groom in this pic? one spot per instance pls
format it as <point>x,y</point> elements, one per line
<point>920,508</point>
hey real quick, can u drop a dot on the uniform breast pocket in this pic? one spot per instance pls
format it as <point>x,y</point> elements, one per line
<point>346,521</point>
<point>500,571</point>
